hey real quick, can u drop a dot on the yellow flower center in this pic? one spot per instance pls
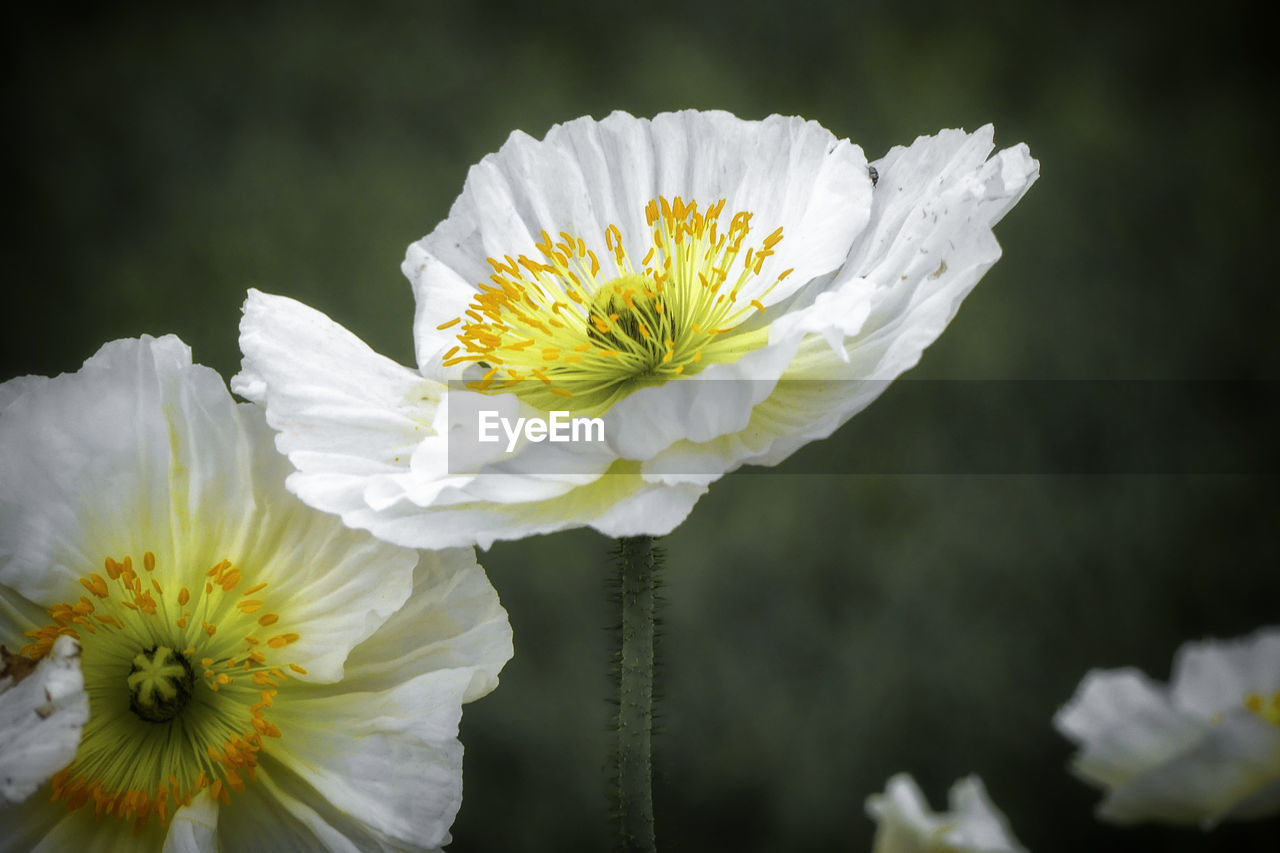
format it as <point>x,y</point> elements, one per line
<point>1267,709</point>
<point>179,687</point>
<point>561,333</point>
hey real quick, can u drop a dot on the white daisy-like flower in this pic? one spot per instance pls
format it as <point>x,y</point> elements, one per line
<point>1203,749</point>
<point>259,676</point>
<point>716,292</point>
<point>905,823</point>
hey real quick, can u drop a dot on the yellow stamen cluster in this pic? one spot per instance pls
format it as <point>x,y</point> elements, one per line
<point>557,328</point>
<point>138,641</point>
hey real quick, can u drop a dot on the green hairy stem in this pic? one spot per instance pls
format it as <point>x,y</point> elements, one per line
<point>638,561</point>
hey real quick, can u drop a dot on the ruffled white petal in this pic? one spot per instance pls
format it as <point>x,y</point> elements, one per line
<point>451,621</point>
<point>115,472</point>
<point>41,716</point>
<point>928,243</point>
<point>390,759</point>
<point>905,824</point>
<point>372,411</point>
<point>346,416</point>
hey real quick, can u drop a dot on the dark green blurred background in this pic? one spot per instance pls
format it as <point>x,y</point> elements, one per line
<point>823,632</point>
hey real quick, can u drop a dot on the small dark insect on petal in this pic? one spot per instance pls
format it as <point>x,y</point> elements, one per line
<point>873,174</point>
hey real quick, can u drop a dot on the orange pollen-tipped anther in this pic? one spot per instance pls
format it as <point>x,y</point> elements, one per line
<point>95,584</point>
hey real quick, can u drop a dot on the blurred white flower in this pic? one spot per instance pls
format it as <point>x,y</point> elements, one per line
<point>1204,749</point>
<point>906,825</point>
<point>717,292</point>
<point>259,677</point>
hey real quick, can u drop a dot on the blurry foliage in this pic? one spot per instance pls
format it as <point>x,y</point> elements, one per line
<point>823,632</point>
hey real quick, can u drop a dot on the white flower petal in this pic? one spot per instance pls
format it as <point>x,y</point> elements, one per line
<point>1229,765</point>
<point>1124,722</point>
<point>337,375</point>
<point>41,716</point>
<point>116,419</point>
<point>616,504</point>
<point>26,824</point>
<point>904,823</point>
<point>267,819</point>
<point>1212,677</point>
<point>345,414</point>
<point>340,583</point>
<point>193,828</point>
<point>391,759</point>
<point>12,389</point>
<point>302,821</point>
<point>931,239</point>
<point>716,402</point>
<point>451,621</point>
<point>16,615</point>
<point>979,825</point>
<point>902,817</point>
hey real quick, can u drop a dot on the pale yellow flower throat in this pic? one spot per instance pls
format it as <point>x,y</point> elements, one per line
<point>561,335</point>
<point>179,687</point>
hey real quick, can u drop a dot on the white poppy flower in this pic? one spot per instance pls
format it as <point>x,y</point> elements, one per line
<point>1204,749</point>
<point>906,825</point>
<point>259,677</point>
<point>716,292</point>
